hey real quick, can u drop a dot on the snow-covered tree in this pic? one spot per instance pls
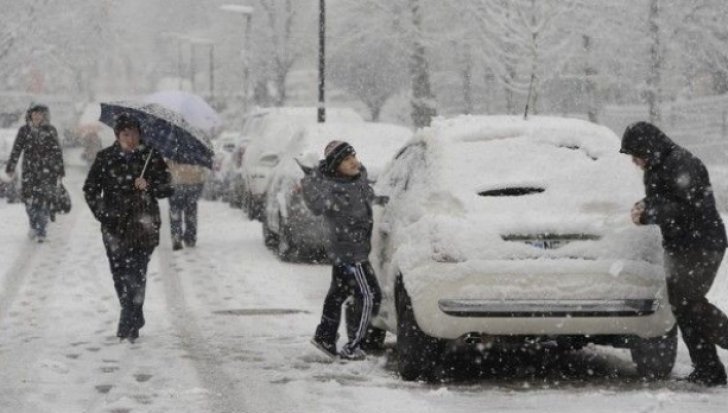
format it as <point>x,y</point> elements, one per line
<point>525,42</point>
<point>404,25</point>
<point>368,71</point>
<point>278,42</point>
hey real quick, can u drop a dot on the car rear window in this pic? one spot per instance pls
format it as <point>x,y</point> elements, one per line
<point>512,191</point>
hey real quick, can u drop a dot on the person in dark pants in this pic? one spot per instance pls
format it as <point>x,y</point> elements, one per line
<point>187,182</point>
<point>122,189</point>
<point>679,198</point>
<point>37,141</point>
<point>338,189</point>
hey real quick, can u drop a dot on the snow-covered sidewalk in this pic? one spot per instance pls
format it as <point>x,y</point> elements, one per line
<point>227,331</point>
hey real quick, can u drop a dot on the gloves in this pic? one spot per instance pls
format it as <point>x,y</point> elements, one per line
<point>381,200</point>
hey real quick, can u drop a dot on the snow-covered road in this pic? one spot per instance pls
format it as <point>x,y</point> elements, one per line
<point>227,331</point>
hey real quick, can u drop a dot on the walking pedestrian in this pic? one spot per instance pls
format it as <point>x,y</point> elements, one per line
<point>42,167</point>
<point>338,189</point>
<point>679,198</point>
<point>122,188</point>
<point>187,182</point>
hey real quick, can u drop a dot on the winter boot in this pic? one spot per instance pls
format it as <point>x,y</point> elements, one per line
<point>348,353</point>
<point>327,348</point>
<point>177,245</point>
<point>708,377</point>
<point>133,335</point>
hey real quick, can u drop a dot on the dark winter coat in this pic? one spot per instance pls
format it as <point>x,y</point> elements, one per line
<point>346,204</point>
<point>128,216</point>
<point>42,162</point>
<point>679,197</point>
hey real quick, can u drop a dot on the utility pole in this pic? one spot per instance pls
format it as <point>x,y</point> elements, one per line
<point>212,71</point>
<point>322,63</point>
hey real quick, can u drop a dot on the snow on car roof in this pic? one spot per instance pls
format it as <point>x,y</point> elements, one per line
<point>274,130</point>
<point>375,143</point>
<point>492,176</point>
<point>309,113</point>
<point>564,163</point>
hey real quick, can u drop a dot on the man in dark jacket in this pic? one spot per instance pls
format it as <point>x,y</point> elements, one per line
<point>338,189</point>
<point>37,141</point>
<point>122,189</point>
<point>679,199</point>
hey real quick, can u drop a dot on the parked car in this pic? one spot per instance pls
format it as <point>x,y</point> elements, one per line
<point>224,147</point>
<point>288,225</point>
<point>502,231</point>
<point>9,187</point>
<point>270,130</point>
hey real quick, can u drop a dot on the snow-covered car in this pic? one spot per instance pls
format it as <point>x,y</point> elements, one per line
<point>288,225</point>
<point>9,187</point>
<point>504,231</point>
<point>224,147</point>
<point>270,131</point>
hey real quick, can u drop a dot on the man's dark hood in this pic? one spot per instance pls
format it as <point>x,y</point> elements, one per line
<point>38,108</point>
<point>645,140</point>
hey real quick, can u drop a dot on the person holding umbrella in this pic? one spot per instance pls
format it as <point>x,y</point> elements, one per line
<point>122,188</point>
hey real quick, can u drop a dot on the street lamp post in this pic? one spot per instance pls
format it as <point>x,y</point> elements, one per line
<point>322,63</point>
<point>248,13</point>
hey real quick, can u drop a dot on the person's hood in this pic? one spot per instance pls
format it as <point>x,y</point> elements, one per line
<point>38,108</point>
<point>645,140</point>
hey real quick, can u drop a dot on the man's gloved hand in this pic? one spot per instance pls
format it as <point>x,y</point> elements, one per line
<point>381,200</point>
<point>637,210</point>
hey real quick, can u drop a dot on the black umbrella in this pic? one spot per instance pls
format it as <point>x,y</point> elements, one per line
<point>164,130</point>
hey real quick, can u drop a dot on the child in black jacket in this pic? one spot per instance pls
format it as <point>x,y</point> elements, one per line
<point>338,189</point>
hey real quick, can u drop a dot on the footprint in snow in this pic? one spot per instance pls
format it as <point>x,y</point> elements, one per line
<point>141,378</point>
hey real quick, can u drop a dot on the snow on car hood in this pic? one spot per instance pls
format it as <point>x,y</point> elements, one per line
<point>495,177</point>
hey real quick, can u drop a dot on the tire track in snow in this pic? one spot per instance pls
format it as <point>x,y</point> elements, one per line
<point>14,277</point>
<point>18,272</point>
<point>224,394</point>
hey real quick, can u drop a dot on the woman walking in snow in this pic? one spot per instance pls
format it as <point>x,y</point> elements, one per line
<point>37,141</point>
<point>122,189</point>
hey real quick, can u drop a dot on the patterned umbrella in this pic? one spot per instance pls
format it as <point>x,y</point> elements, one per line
<point>165,130</point>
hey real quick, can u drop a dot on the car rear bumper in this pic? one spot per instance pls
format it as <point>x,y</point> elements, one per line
<point>540,298</point>
<point>548,308</point>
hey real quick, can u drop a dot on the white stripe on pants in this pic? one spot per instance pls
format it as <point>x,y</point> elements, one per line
<point>367,305</point>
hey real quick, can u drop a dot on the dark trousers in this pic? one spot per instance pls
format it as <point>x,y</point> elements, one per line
<point>129,271</point>
<point>38,214</point>
<point>183,213</point>
<point>703,326</point>
<point>347,280</point>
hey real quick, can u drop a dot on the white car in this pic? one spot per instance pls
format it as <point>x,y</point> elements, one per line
<point>224,146</point>
<point>502,231</point>
<point>270,131</point>
<point>288,225</point>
